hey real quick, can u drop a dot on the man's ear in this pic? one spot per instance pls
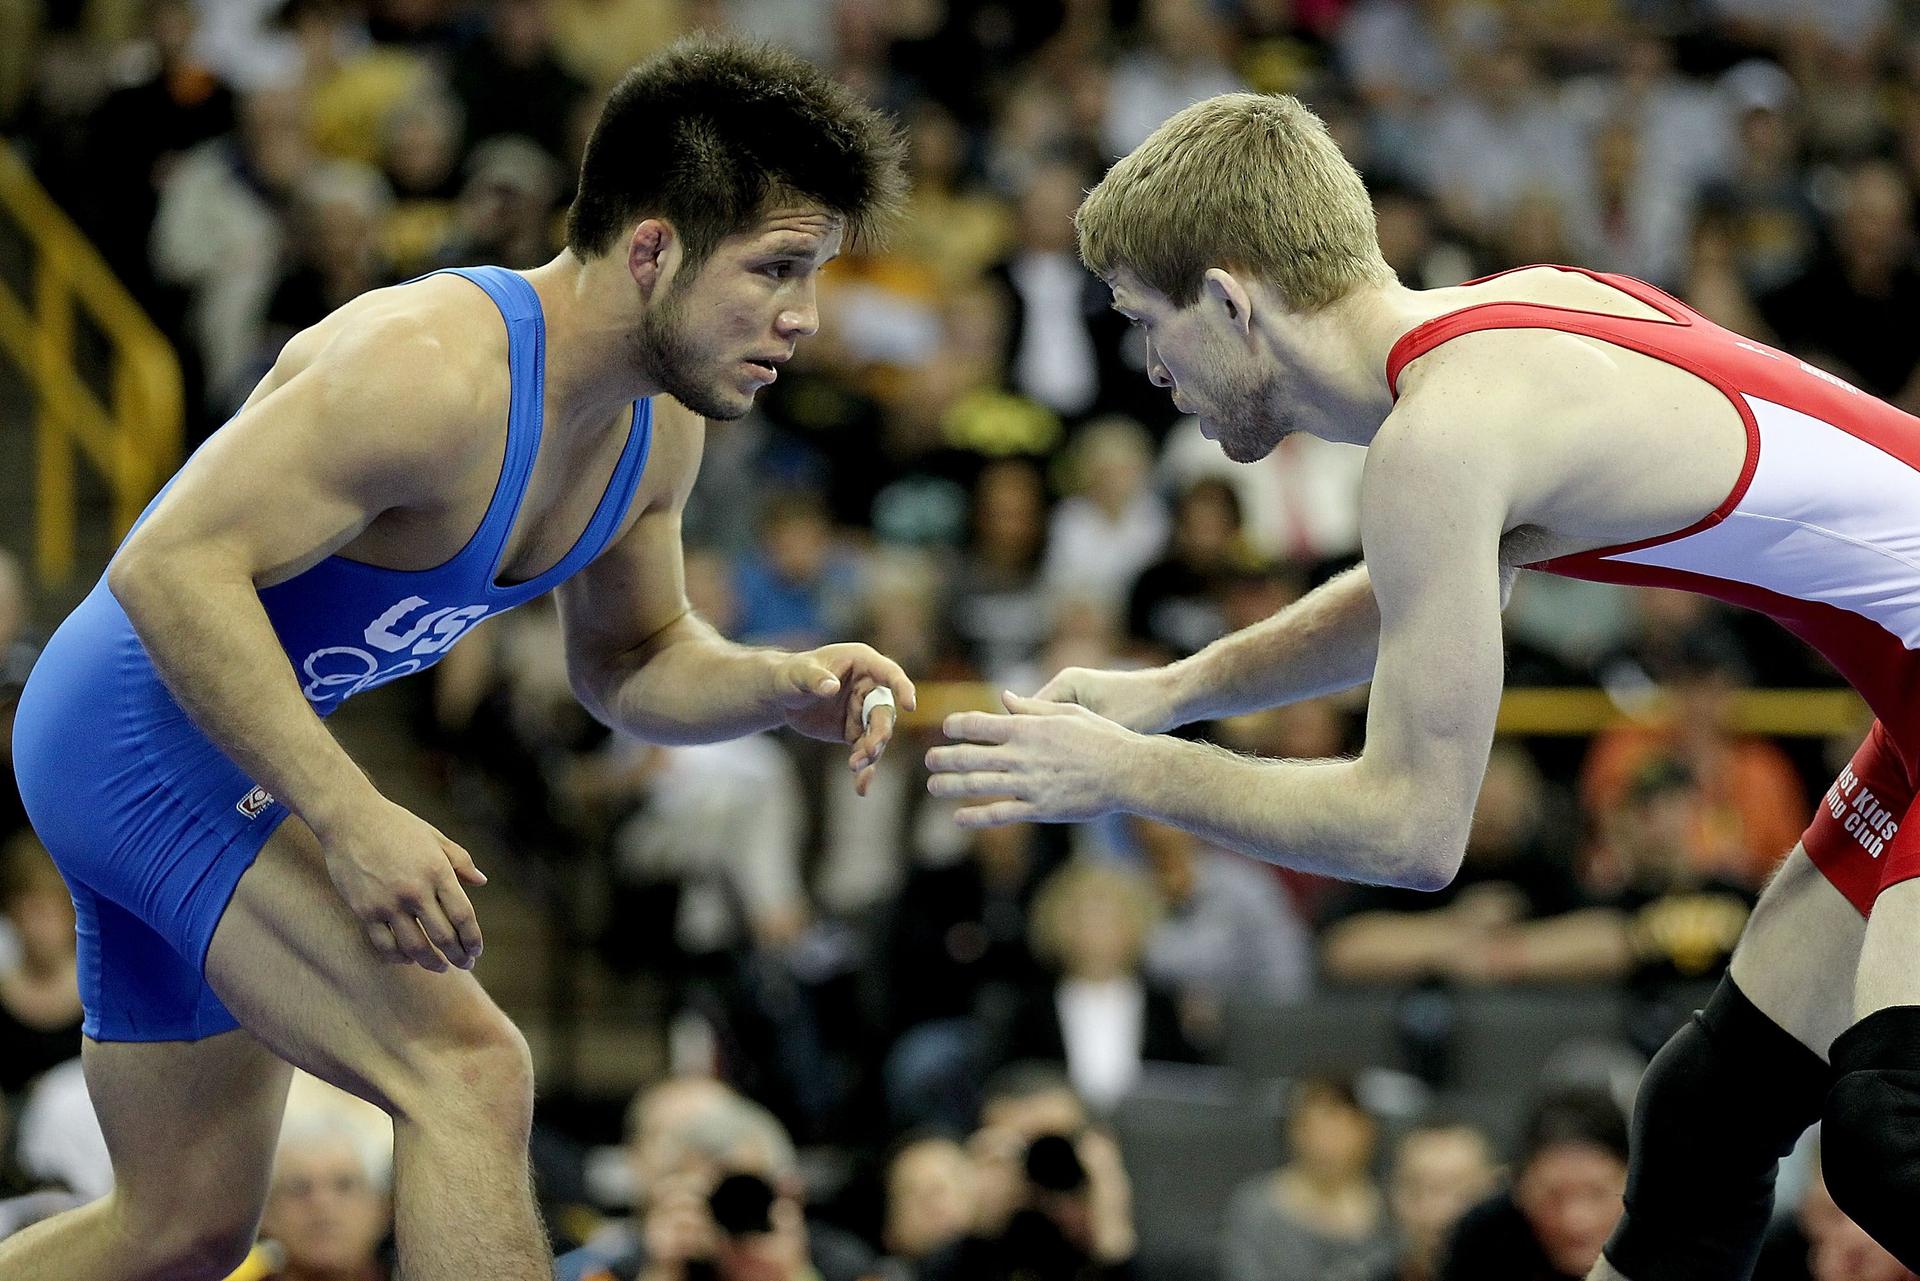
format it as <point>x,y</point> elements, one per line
<point>1225,289</point>
<point>652,250</point>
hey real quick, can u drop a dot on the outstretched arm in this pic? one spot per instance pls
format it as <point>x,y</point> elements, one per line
<point>643,662</point>
<point>1432,511</point>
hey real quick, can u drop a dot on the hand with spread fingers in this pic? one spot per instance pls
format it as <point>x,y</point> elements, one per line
<point>1043,762</point>
<point>823,694</point>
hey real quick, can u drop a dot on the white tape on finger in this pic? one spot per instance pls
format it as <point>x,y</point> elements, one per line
<point>878,696</point>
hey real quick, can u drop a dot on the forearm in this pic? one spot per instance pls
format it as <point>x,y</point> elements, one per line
<point>1580,946</point>
<point>216,651</point>
<point>1385,947</point>
<point>1329,817</point>
<point>1323,642</point>
<point>688,684</point>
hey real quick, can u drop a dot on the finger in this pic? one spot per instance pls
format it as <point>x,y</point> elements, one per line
<point>865,754</point>
<point>382,939</point>
<point>809,676</point>
<point>1034,706</point>
<point>863,780</point>
<point>412,941</point>
<point>466,923</point>
<point>874,739</point>
<point>851,730</point>
<point>463,863</point>
<point>1057,690</point>
<point>440,932</point>
<point>997,814</point>
<point>979,727</point>
<point>894,677</point>
<point>981,783</point>
<point>960,758</point>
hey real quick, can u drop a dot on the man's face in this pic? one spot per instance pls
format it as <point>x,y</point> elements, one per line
<point>324,1210</point>
<point>713,339</point>
<point>1199,354</point>
<point>1571,1194</point>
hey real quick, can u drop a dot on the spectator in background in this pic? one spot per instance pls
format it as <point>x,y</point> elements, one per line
<point>1675,923</point>
<point>170,103</point>
<point>1101,1016</point>
<point>1060,318</point>
<point>1321,1216</point>
<point>658,1119</point>
<point>958,962</point>
<point>507,207</point>
<point>1052,1196</point>
<point>328,1211</point>
<point>999,612</point>
<point>1441,1169</point>
<point>1513,912</point>
<point>731,1207</point>
<point>39,992</point>
<point>950,225</point>
<point>1847,310</point>
<point>1501,137</point>
<point>1422,254</point>
<point>930,1201</point>
<point>1176,605</point>
<point>1102,537</point>
<point>509,81</point>
<point>1768,213</point>
<point>420,156</point>
<point>339,212</point>
<point>218,232</point>
<point>1564,1200</point>
<point>1226,928</point>
<point>1753,806</point>
<point>1182,60</point>
<point>797,586</point>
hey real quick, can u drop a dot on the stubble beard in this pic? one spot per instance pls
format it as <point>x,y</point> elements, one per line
<point>1250,423</point>
<point>663,350</point>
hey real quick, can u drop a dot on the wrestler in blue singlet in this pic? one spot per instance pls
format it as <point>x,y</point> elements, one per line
<point>151,824</point>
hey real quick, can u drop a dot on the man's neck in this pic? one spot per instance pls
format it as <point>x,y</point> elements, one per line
<point>1340,353</point>
<point>588,306</point>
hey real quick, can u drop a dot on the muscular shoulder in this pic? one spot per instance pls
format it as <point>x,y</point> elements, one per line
<point>417,371</point>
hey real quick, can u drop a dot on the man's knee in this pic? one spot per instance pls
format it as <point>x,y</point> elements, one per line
<point>1870,1136</point>
<point>477,1061</point>
<point>1722,1102</point>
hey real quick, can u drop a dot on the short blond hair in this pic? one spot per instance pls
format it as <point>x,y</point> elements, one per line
<point>1246,181</point>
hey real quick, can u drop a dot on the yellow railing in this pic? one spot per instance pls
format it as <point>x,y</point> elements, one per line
<point>1792,713</point>
<point>132,436</point>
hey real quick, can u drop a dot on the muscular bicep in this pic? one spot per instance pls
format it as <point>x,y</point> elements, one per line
<point>1432,511</point>
<point>302,469</point>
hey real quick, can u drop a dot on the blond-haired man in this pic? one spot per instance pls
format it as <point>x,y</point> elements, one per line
<point>1555,419</point>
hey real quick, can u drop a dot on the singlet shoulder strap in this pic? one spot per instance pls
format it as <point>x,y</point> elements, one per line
<point>527,372</point>
<point>1427,335</point>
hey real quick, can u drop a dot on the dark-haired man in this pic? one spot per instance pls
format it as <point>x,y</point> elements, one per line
<point>425,457</point>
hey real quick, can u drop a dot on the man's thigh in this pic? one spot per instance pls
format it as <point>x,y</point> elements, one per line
<point>191,1127</point>
<point>294,966</point>
<point>1797,957</point>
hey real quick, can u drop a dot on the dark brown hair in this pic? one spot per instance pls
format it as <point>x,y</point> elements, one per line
<point>711,134</point>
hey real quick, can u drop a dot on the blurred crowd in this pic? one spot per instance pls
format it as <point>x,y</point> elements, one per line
<point>888,1048</point>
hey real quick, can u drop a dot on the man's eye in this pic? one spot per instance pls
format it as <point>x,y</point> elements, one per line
<point>780,270</point>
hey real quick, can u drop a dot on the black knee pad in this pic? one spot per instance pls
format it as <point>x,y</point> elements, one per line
<point>1723,1101</point>
<point>1870,1138</point>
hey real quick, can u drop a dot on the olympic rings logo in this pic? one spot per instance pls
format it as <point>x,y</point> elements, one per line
<point>338,672</point>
